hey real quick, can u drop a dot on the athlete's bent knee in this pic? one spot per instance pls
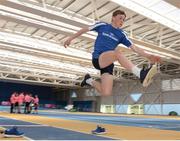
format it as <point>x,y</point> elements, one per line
<point>118,53</point>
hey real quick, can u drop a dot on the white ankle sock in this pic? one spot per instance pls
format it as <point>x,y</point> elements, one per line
<point>135,70</point>
<point>89,81</point>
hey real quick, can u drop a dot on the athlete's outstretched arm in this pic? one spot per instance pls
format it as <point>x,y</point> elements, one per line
<point>141,52</point>
<point>77,34</point>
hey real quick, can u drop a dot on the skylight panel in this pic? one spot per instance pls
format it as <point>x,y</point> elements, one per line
<point>155,14</point>
<point>174,15</point>
<point>147,3</point>
<point>162,7</point>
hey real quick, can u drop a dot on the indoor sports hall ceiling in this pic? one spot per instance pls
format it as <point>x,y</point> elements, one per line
<point>32,33</point>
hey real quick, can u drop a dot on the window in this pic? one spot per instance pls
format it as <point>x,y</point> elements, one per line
<point>169,85</point>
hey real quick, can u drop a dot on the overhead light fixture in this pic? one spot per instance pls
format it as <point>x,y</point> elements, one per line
<point>161,54</point>
<point>45,62</point>
<point>78,18</point>
<point>40,71</point>
<point>25,16</point>
<point>43,45</point>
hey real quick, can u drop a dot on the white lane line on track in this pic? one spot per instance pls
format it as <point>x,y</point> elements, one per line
<point>27,138</point>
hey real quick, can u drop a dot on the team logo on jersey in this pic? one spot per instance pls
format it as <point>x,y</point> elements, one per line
<point>110,35</point>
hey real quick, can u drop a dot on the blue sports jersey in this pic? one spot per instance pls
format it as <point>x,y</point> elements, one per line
<point>108,38</point>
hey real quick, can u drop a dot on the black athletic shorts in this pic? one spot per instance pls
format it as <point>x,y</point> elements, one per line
<point>16,104</point>
<point>108,69</point>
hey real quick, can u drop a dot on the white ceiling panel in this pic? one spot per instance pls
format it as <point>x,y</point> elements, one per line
<point>163,8</point>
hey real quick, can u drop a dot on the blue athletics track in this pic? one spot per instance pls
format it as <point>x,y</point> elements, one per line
<point>61,125</point>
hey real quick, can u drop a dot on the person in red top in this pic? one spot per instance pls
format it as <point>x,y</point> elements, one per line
<point>27,100</point>
<point>12,101</point>
<point>31,104</point>
<point>20,101</point>
<point>16,105</point>
<point>36,104</point>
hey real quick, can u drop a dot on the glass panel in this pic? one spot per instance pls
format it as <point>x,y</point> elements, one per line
<point>155,14</point>
<point>146,3</point>
<point>162,7</point>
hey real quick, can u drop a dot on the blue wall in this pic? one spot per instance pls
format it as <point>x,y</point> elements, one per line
<point>156,108</point>
<point>6,89</point>
<point>85,106</point>
<point>152,109</point>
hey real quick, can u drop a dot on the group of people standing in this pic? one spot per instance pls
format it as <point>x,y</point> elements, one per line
<point>17,100</point>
